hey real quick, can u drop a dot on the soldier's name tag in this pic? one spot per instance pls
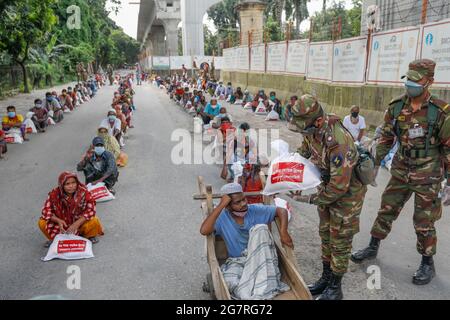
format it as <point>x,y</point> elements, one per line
<point>416,132</point>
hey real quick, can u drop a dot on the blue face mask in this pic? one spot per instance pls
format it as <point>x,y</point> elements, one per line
<point>414,89</point>
<point>99,150</point>
<point>49,99</point>
<point>11,114</point>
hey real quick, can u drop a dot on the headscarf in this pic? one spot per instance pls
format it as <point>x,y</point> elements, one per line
<point>67,207</point>
<point>111,143</point>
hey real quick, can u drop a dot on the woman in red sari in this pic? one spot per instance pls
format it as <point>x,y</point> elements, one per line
<point>70,208</point>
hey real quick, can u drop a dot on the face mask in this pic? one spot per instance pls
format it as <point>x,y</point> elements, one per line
<point>355,114</point>
<point>49,99</point>
<point>38,105</point>
<point>222,115</point>
<point>213,106</point>
<point>11,114</point>
<point>99,150</point>
<point>112,118</point>
<point>240,214</point>
<point>414,89</point>
<point>272,98</point>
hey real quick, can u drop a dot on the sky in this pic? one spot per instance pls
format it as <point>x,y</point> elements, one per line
<point>127,18</point>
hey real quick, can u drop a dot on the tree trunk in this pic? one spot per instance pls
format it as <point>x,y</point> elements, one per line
<point>324,5</point>
<point>26,89</point>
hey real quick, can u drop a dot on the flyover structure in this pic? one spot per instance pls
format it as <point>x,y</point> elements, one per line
<point>158,26</point>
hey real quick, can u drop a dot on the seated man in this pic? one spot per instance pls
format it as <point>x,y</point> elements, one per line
<point>260,96</point>
<point>220,91</point>
<point>3,146</point>
<point>40,117</point>
<point>274,103</point>
<point>212,110</point>
<point>247,98</point>
<point>99,165</point>
<point>251,271</point>
<point>66,100</point>
<point>229,92</point>
<point>216,123</point>
<point>113,124</point>
<point>53,107</point>
<point>14,121</point>
<point>237,96</point>
<point>288,108</point>
<point>70,208</point>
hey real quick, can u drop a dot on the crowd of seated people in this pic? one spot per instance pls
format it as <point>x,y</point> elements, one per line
<point>70,207</point>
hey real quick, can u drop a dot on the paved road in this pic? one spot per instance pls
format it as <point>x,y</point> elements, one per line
<point>152,248</point>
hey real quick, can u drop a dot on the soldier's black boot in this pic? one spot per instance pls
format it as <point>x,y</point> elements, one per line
<point>334,289</point>
<point>319,286</point>
<point>369,252</point>
<point>426,271</point>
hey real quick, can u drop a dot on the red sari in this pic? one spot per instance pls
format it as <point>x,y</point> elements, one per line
<point>65,207</point>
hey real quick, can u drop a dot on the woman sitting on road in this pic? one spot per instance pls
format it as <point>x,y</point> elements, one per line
<point>113,147</point>
<point>70,208</point>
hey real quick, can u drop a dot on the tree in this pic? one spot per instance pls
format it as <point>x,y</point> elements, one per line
<point>298,11</point>
<point>326,20</point>
<point>24,24</point>
<point>211,42</point>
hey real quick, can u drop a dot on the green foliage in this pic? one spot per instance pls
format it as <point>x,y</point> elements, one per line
<point>35,35</point>
<point>350,19</point>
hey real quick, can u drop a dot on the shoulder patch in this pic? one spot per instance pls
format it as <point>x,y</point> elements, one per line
<point>338,160</point>
<point>398,99</point>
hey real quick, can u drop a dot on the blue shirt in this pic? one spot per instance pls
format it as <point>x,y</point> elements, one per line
<point>236,236</point>
<point>214,112</point>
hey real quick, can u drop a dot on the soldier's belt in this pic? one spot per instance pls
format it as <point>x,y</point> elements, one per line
<point>419,153</point>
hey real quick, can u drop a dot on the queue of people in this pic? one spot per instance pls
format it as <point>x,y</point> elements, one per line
<point>16,127</point>
<point>417,122</point>
<point>71,206</point>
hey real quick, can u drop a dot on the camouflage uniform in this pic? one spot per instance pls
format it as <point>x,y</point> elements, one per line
<point>413,169</point>
<point>341,195</point>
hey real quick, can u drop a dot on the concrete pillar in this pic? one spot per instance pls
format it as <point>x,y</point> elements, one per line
<point>171,28</point>
<point>157,37</point>
<point>251,19</point>
<point>192,12</point>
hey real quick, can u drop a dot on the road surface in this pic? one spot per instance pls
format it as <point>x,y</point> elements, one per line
<point>152,248</point>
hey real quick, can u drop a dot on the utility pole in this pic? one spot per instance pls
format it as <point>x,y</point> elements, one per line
<point>424,11</point>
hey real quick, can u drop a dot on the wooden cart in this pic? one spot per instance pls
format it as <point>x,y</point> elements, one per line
<point>217,255</point>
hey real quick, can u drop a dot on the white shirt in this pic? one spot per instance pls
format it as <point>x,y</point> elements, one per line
<point>355,129</point>
<point>117,125</point>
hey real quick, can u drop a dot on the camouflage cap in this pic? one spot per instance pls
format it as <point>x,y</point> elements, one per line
<point>306,110</point>
<point>419,69</point>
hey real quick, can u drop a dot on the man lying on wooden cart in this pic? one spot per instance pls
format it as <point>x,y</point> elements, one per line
<point>251,271</point>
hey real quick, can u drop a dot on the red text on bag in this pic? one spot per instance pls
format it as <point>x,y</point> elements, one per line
<point>287,172</point>
<point>99,193</point>
<point>66,246</point>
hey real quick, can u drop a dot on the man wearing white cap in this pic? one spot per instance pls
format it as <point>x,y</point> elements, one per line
<point>251,271</point>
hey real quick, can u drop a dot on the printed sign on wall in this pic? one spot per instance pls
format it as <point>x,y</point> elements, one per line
<point>436,46</point>
<point>349,60</point>
<point>390,54</point>
<point>320,61</point>
<point>258,57</point>
<point>297,57</point>
<point>276,57</point>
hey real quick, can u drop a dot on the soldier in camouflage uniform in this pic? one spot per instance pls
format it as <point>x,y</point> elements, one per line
<point>340,197</point>
<point>421,124</point>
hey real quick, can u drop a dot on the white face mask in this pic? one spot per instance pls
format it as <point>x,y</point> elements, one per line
<point>240,214</point>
